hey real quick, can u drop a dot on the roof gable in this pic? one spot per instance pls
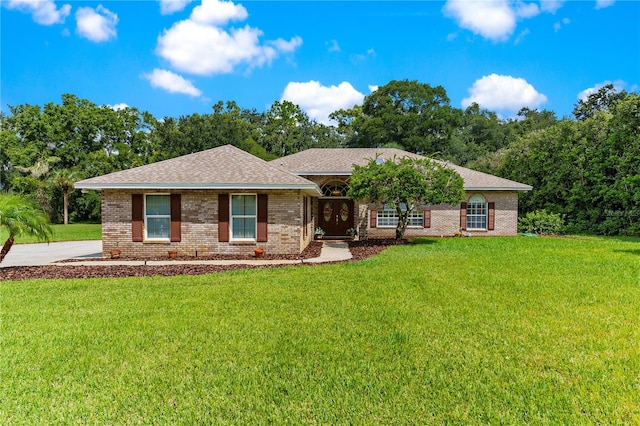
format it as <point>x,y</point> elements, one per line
<point>217,168</point>
<point>340,161</point>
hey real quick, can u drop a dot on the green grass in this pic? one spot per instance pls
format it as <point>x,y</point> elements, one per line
<point>462,331</point>
<point>71,232</point>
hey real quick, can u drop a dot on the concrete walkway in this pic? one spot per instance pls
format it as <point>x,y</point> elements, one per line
<point>332,251</point>
<point>54,253</point>
<point>44,254</point>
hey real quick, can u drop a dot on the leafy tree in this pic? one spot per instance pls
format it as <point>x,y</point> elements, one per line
<point>346,120</point>
<point>605,99</point>
<point>414,115</point>
<point>480,132</point>
<point>585,170</point>
<point>35,184</point>
<point>286,129</point>
<point>21,217</point>
<point>65,180</point>
<point>405,182</point>
<point>229,124</point>
<point>82,138</point>
<point>530,120</point>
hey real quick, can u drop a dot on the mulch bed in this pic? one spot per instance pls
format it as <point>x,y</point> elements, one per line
<point>359,250</point>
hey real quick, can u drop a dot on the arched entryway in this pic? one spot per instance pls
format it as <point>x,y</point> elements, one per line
<point>335,210</point>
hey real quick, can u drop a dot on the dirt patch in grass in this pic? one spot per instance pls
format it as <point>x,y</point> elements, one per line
<point>359,250</point>
<point>367,248</point>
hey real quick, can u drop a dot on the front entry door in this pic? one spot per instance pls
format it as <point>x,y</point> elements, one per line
<point>335,216</point>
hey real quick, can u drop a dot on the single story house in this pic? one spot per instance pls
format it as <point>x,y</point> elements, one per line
<point>227,201</point>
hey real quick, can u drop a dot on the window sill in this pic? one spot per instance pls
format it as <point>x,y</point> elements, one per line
<point>163,241</point>
<point>394,227</point>
<point>242,242</point>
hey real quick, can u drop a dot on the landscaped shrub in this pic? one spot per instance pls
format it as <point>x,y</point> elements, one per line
<point>541,222</point>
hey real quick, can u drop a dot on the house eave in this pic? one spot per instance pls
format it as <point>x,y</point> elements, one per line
<point>498,188</point>
<point>327,173</point>
<point>311,189</point>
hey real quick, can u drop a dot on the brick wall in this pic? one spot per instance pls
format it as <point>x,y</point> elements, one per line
<point>199,225</point>
<point>445,219</point>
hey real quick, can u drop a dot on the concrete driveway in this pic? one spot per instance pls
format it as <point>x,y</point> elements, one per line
<point>43,254</point>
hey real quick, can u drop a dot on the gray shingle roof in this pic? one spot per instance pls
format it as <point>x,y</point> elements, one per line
<point>340,161</point>
<point>224,167</point>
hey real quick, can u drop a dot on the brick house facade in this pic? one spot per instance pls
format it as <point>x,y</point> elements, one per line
<point>200,225</point>
<point>226,201</point>
<point>490,207</point>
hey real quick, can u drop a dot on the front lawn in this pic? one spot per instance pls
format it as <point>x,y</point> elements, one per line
<point>71,232</point>
<point>465,331</point>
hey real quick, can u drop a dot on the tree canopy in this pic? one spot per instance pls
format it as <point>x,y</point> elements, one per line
<point>586,170</point>
<point>404,183</point>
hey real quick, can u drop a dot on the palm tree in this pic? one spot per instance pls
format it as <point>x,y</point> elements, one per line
<point>65,180</point>
<point>21,217</point>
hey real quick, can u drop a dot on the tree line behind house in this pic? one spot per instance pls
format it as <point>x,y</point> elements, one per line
<point>585,167</point>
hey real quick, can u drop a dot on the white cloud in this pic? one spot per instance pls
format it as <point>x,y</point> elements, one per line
<point>503,93</point>
<point>551,6</point>
<point>558,25</point>
<point>168,7</point>
<point>522,36</point>
<point>497,19</point>
<point>205,50</point>
<point>333,46</point>
<point>97,24</point>
<point>492,19</point>
<point>527,10</point>
<point>199,45</point>
<point>287,46</point>
<point>319,101</point>
<point>359,57</point>
<point>43,12</point>
<point>171,82</point>
<point>601,4</point>
<point>373,88</point>
<point>119,107</point>
<point>214,12</point>
<point>618,86</point>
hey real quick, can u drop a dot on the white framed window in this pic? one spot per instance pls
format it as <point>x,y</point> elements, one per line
<point>477,212</point>
<point>243,216</point>
<point>157,216</point>
<point>388,218</point>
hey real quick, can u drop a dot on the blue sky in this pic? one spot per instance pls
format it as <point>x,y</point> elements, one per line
<point>175,58</point>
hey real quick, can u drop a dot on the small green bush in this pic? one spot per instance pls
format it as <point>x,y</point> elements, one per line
<point>541,222</point>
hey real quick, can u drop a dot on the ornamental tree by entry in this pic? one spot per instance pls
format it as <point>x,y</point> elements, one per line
<point>403,183</point>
